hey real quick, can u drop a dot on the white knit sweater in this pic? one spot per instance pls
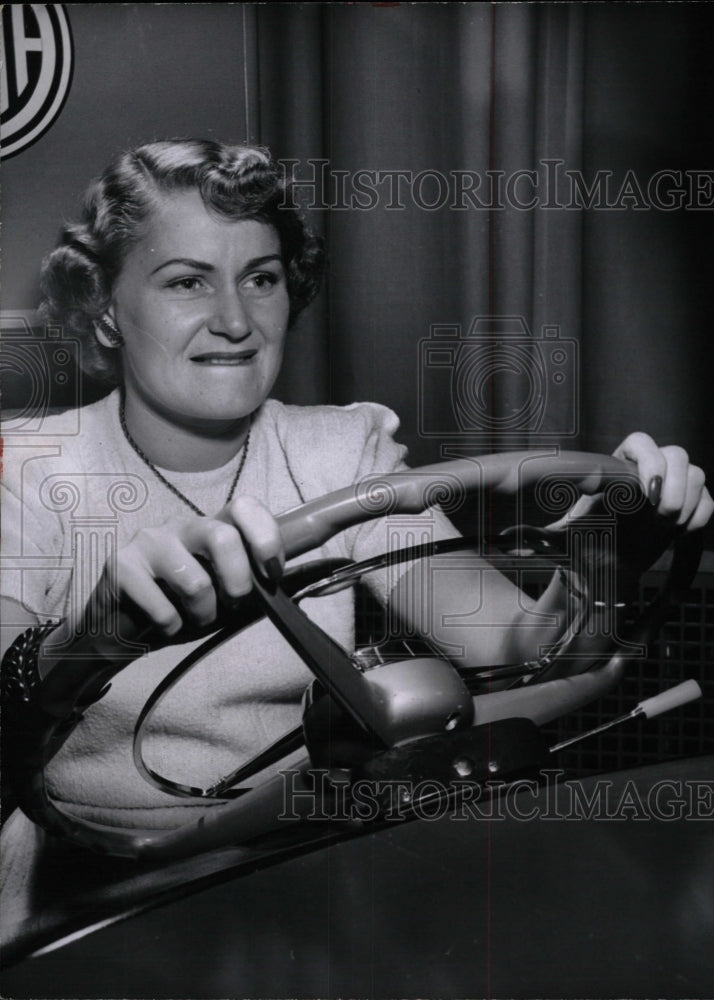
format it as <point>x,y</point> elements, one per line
<point>76,490</point>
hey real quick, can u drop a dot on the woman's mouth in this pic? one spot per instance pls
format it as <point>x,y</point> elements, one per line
<point>224,357</point>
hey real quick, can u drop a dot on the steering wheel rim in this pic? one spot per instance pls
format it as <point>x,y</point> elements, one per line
<point>303,529</point>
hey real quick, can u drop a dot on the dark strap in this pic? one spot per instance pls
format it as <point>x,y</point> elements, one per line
<point>326,659</point>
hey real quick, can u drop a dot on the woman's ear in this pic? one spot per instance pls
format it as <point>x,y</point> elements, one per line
<point>107,332</point>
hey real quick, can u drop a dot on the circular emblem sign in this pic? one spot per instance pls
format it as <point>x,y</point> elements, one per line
<point>36,71</point>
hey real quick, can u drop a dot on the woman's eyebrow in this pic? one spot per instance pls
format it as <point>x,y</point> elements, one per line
<point>200,265</point>
<point>197,265</point>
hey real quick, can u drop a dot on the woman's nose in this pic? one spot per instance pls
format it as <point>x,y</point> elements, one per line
<point>230,318</point>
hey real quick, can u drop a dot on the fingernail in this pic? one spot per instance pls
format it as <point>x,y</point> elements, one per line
<point>655,490</point>
<point>273,569</point>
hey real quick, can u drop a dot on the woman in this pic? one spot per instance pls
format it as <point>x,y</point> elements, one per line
<point>182,281</point>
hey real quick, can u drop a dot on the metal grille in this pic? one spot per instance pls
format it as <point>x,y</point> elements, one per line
<point>684,649</point>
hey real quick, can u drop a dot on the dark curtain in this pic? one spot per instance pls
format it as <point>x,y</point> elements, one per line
<point>479,106</point>
<point>500,90</point>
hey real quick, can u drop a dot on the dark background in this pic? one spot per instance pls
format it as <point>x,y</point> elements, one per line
<point>439,87</point>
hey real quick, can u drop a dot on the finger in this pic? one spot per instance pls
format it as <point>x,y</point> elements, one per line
<point>185,577</point>
<point>651,463</point>
<point>702,512</point>
<point>694,488</point>
<point>136,582</point>
<point>581,508</point>
<point>222,545</point>
<point>156,556</point>
<point>260,533</point>
<point>674,485</point>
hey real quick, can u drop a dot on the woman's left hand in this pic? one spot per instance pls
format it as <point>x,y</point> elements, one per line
<point>674,487</point>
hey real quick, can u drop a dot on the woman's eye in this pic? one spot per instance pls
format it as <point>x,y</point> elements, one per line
<point>264,281</point>
<point>186,284</point>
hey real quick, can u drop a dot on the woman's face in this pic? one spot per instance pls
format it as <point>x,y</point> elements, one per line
<point>202,305</point>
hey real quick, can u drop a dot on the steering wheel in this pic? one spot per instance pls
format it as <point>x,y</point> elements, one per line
<point>404,715</point>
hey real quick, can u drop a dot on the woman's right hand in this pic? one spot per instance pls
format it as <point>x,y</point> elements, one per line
<point>182,572</point>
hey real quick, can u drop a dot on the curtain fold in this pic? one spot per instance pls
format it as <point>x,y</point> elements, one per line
<point>647,359</point>
<point>293,106</point>
<point>557,236</point>
<point>455,109</point>
<point>481,129</point>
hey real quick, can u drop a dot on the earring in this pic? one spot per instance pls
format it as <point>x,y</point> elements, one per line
<point>110,332</point>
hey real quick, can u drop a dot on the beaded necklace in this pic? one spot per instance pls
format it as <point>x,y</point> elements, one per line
<point>170,486</point>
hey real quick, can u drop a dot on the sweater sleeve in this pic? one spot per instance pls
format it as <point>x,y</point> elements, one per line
<point>36,570</point>
<point>333,447</point>
<point>383,455</point>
